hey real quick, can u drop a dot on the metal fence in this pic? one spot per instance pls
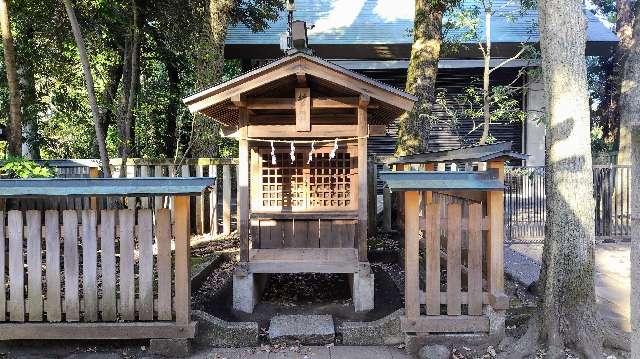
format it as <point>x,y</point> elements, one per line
<point>525,203</point>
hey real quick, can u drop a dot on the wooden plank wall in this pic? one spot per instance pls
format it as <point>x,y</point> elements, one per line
<point>303,233</point>
<point>119,282</point>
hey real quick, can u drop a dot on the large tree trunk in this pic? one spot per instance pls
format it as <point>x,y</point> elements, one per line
<point>88,79</point>
<point>413,127</point>
<point>131,82</point>
<point>15,115</point>
<point>569,314</point>
<point>624,24</point>
<point>630,116</point>
<point>209,70</point>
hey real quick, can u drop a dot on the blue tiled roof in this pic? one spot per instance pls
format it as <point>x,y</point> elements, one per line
<point>391,21</point>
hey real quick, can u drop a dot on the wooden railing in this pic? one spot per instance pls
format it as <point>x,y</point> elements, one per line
<point>213,212</point>
<point>110,275</point>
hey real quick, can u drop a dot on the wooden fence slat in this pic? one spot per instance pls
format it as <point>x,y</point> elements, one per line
<point>213,201</point>
<point>474,277</point>
<point>412,280</point>
<point>158,201</point>
<point>108,264</point>
<point>145,264</point>
<point>52,243</point>
<point>3,293</point>
<point>71,266</point>
<point>34,265</point>
<point>163,238</point>
<point>199,206</point>
<point>16,267</point>
<point>131,173</point>
<point>226,199</point>
<point>432,284</point>
<point>89,265</point>
<point>454,269</point>
<point>144,172</point>
<point>182,267</point>
<point>127,284</point>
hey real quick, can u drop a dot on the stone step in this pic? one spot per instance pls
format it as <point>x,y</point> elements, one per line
<point>305,329</point>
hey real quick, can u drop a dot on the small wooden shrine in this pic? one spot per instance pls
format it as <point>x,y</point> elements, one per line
<point>302,125</point>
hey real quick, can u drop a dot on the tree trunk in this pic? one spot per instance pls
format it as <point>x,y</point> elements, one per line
<point>15,115</point>
<point>132,86</point>
<point>171,111</point>
<point>569,314</point>
<point>630,116</point>
<point>486,102</point>
<point>413,127</point>
<point>624,23</point>
<point>209,70</point>
<point>88,79</point>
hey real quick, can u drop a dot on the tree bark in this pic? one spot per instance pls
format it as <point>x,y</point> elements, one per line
<point>569,314</point>
<point>624,28</point>
<point>130,95</point>
<point>209,70</point>
<point>486,101</point>
<point>15,115</point>
<point>171,111</point>
<point>88,79</point>
<point>413,127</point>
<point>630,116</point>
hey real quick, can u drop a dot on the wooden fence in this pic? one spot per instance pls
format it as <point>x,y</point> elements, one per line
<point>453,258</point>
<point>108,274</point>
<point>525,203</point>
<point>212,213</point>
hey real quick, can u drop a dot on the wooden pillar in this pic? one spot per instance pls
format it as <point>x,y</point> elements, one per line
<point>495,211</point>
<point>386,205</point>
<point>372,203</point>
<point>361,238</point>
<point>243,183</point>
<point>226,199</point>
<point>182,267</point>
<point>411,246</point>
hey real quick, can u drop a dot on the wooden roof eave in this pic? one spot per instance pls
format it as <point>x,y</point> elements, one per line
<point>295,64</point>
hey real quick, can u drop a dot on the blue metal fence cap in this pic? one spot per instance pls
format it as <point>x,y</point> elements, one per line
<point>439,180</point>
<point>148,186</point>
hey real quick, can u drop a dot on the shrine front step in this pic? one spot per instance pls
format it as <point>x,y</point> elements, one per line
<point>303,329</point>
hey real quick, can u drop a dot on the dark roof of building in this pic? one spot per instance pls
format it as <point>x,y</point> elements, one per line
<point>45,187</point>
<point>475,153</point>
<point>387,24</point>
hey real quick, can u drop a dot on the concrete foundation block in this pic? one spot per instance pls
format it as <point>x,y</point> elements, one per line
<point>362,288</point>
<point>304,329</point>
<point>496,323</point>
<point>215,332</point>
<point>384,331</point>
<point>170,348</point>
<point>247,289</point>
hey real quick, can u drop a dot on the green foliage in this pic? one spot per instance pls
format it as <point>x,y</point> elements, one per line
<point>18,167</point>
<point>54,95</point>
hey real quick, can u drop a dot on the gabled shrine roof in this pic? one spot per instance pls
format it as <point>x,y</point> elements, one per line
<point>216,101</point>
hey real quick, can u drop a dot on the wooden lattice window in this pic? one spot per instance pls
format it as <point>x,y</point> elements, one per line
<point>322,184</point>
